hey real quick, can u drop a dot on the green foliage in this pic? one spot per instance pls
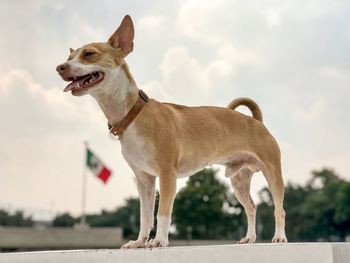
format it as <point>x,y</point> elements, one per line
<point>205,210</point>
<point>126,217</point>
<point>325,209</point>
<point>265,221</point>
<point>318,211</point>
<point>16,219</point>
<point>64,220</point>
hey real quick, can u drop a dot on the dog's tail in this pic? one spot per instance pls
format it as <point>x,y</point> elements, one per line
<point>254,108</point>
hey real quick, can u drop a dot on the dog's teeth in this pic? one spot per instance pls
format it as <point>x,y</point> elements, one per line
<point>78,85</point>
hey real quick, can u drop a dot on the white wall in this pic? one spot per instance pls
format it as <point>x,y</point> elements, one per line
<point>261,253</point>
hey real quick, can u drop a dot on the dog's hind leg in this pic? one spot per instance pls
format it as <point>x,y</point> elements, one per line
<point>275,181</point>
<point>241,186</point>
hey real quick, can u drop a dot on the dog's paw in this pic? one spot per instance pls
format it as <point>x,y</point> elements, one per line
<point>134,244</point>
<point>247,240</point>
<point>279,239</point>
<point>157,243</point>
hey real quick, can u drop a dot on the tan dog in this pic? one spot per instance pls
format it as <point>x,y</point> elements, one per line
<point>170,141</point>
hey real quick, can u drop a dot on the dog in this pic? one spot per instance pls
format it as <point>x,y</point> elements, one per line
<point>170,141</point>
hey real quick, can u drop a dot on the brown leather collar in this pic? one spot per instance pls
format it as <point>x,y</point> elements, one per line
<point>118,128</point>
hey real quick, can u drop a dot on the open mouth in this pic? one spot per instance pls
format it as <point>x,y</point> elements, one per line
<point>84,82</point>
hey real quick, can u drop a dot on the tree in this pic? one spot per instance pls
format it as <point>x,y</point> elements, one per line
<point>203,209</point>
<point>326,211</point>
<point>318,211</point>
<point>126,217</point>
<point>64,220</point>
<point>16,219</point>
<point>206,209</point>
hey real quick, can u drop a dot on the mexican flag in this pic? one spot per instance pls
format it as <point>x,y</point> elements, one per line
<point>97,167</point>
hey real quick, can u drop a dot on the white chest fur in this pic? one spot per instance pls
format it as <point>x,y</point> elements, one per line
<point>135,151</point>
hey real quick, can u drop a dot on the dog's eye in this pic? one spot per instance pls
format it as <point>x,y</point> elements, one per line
<point>89,53</point>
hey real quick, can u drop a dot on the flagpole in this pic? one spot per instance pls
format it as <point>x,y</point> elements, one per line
<point>84,189</point>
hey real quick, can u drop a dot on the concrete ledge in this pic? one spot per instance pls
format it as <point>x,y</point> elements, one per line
<point>262,253</point>
<point>60,238</point>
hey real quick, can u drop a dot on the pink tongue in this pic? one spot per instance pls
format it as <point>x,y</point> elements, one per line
<point>77,84</point>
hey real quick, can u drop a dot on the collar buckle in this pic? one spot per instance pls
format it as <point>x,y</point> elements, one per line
<point>143,95</point>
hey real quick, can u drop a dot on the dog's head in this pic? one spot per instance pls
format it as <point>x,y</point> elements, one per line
<point>89,68</point>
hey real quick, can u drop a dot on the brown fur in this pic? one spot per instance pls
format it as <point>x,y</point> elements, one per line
<point>254,108</point>
<point>104,55</point>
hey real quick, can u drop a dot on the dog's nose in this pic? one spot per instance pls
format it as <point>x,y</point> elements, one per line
<point>62,68</point>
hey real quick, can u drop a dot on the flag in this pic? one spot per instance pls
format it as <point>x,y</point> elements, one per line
<point>96,166</point>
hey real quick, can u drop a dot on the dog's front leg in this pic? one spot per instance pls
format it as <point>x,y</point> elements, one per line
<point>146,189</point>
<point>167,184</point>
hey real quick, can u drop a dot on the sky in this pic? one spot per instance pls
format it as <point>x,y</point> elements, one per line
<point>292,57</point>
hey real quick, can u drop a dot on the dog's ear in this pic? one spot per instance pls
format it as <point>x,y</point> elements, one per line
<point>123,37</point>
<point>71,50</point>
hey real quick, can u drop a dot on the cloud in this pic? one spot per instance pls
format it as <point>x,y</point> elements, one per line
<point>273,18</point>
<point>42,153</point>
<point>195,19</point>
<point>157,90</point>
<point>229,57</point>
<point>36,111</point>
<point>313,113</point>
<point>151,23</point>
<point>182,73</point>
<point>291,57</point>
